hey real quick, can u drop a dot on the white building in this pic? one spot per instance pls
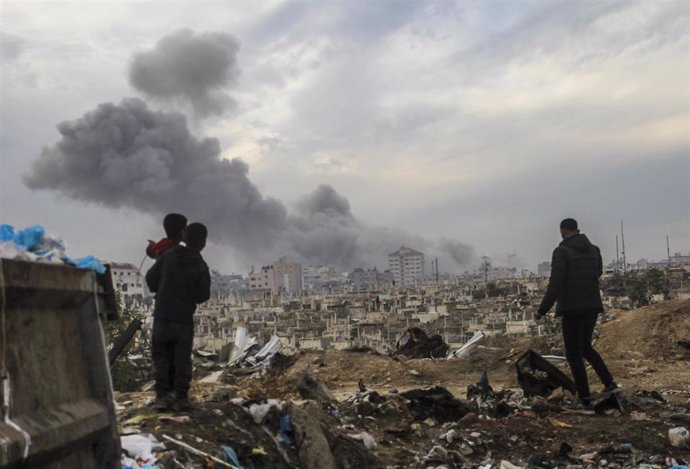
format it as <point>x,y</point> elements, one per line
<point>407,266</point>
<point>127,279</point>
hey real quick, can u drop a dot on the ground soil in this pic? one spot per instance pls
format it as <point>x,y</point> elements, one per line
<point>640,348</point>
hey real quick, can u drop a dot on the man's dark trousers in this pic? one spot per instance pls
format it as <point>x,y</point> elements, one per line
<point>577,337</point>
<point>172,356</point>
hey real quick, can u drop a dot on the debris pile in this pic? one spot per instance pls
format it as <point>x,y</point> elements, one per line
<point>417,344</point>
<point>337,409</point>
<point>32,244</point>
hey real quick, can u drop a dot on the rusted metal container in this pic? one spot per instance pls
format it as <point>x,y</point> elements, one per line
<point>60,411</point>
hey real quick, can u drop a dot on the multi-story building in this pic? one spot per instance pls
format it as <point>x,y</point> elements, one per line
<point>280,277</point>
<point>407,266</point>
<point>127,279</point>
<point>315,276</point>
<point>544,269</point>
<point>288,276</point>
<point>262,279</point>
<point>370,279</point>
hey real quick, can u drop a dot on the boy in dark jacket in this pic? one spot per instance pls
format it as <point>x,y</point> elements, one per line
<point>180,279</point>
<point>576,266</point>
<point>174,225</point>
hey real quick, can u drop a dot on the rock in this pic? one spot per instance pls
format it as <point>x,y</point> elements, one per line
<point>310,387</point>
<point>470,417</point>
<point>312,446</point>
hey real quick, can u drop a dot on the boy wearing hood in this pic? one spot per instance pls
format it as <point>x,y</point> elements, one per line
<point>180,279</point>
<point>576,266</point>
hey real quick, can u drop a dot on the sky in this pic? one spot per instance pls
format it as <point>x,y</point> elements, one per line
<point>333,132</point>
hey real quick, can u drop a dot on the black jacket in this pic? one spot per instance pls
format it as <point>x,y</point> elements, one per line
<point>181,280</point>
<point>574,283</point>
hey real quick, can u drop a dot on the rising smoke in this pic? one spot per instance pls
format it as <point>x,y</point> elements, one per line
<point>189,68</point>
<point>128,155</point>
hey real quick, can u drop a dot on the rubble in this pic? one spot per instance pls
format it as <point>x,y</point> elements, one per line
<point>343,410</point>
<point>467,348</point>
<point>538,377</point>
<point>417,344</point>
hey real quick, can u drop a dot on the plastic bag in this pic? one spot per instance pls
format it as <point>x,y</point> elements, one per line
<point>88,262</point>
<point>6,233</point>
<point>29,238</point>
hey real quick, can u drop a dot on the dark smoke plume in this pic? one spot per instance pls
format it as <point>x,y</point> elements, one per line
<point>189,68</point>
<point>126,155</point>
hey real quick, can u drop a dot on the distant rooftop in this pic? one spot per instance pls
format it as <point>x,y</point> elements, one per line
<point>405,251</point>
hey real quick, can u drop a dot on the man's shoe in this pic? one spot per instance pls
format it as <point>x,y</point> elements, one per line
<point>164,402</point>
<point>183,404</point>
<point>579,408</point>
<point>613,388</point>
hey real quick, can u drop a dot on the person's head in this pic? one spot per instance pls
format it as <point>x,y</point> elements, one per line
<point>569,228</point>
<point>174,225</point>
<point>195,236</point>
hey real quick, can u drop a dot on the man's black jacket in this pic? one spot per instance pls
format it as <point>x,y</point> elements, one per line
<point>574,283</point>
<point>181,280</point>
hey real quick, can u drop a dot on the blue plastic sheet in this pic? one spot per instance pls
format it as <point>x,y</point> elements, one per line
<point>88,262</point>
<point>232,456</point>
<point>6,233</point>
<point>285,433</point>
<point>29,238</point>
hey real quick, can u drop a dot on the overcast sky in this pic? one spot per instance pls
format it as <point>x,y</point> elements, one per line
<point>484,123</point>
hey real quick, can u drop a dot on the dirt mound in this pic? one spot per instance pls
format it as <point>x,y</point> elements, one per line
<point>652,331</point>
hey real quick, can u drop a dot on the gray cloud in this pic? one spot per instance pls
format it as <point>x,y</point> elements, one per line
<point>126,155</point>
<point>461,253</point>
<point>190,68</point>
<point>11,46</point>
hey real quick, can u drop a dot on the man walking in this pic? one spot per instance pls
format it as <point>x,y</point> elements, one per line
<point>180,279</point>
<point>576,266</point>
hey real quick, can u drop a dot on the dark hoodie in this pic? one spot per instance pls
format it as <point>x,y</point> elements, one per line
<point>574,283</point>
<point>181,280</point>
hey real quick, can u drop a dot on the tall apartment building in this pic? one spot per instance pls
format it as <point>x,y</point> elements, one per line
<point>288,276</point>
<point>280,277</point>
<point>407,266</point>
<point>544,269</point>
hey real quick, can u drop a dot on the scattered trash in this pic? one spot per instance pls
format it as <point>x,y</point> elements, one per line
<point>259,451</point>
<point>415,343</point>
<point>558,423</point>
<point>231,456</point>
<point>141,447</point>
<point>468,347</point>
<point>366,438</point>
<point>246,351</point>
<point>437,403</point>
<point>32,244</point>
<point>198,452</point>
<point>137,419</point>
<point>181,419</point>
<point>538,377</point>
<point>286,432</point>
<point>259,411</point>
<point>439,455</point>
<point>679,437</point>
